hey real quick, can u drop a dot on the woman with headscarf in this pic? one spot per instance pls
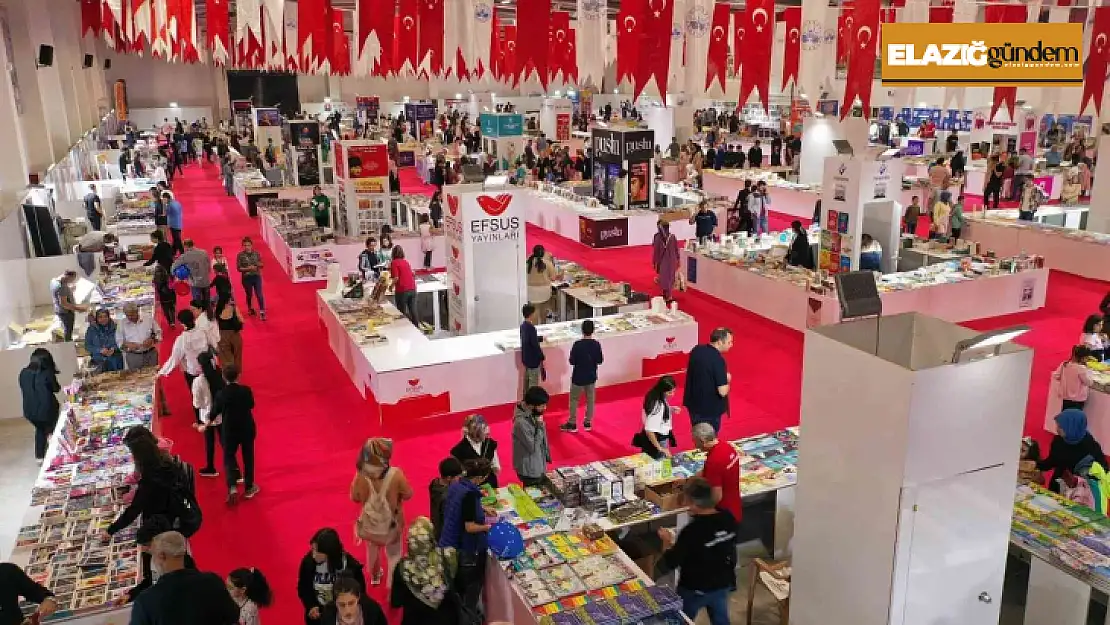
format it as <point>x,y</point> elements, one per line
<point>476,443</point>
<point>664,258</point>
<point>1073,449</point>
<point>540,270</point>
<point>377,481</point>
<point>38,384</point>
<point>100,342</point>
<point>423,579</point>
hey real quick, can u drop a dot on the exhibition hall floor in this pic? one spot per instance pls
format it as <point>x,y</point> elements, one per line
<point>311,420</point>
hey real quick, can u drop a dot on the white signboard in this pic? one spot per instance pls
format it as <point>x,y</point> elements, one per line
<point>485,258</point>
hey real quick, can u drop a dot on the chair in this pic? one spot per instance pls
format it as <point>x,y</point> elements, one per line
<point>775,577</point>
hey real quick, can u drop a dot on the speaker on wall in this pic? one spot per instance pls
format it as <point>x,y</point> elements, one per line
<point>107,63</point>
<point>88,61</point>
<point>46,55</point>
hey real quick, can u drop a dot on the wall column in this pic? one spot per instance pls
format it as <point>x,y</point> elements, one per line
<point>55,116</point>
<point>65,57</point>
<point>13,160</point>
<point>39,150</point>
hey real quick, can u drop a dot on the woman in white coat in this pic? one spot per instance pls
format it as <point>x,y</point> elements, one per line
<point>191,343</point>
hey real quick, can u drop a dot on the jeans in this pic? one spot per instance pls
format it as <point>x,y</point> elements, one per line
<point>178,246</point>
<point>761,223</point>
<point>911,228</point>
<point>211,434</point>
<point>42,436</point>
<point>532,378</point>
<point>67,318</point>
<point>229,185</point>
<point>169,309</point>
<point>231,464</point>
<point>701,418</point>
<point>471,579</point>
<point>1016,185</point>
<point>252,285</point>
<point>715,601</point>
<point>95,220</point>
<point>575,392</point>
<point>406,303</point>
<point>202,294</point>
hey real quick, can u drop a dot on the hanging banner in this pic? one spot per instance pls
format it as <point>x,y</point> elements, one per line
<point>405,57</point>
<point>716,66</point>
<point>697,24</point>
<point>430,48</point>
<point>533,19</point>
<point>792,17</point>
<point>628,37</point>
<point>1098,57</point>
<point>368,167</point>
<point>592,30</point>
<point>861,56</point>
<point>759,22</point>
<point>654,58</point>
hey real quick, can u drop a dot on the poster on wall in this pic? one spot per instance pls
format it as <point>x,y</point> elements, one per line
<point>311,263</point>
<point>306,144</point>
<point>457,295</point>
<point>562,127</point>
<point>241,115</point>
<point>639,183</point>
<point>267,117</point>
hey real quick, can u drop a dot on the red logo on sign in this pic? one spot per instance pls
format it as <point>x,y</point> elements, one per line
<point>670,339</point>
<point>414,382</point>
<point>494,205</point>
<point>453,204</point>
<point>454,251</point>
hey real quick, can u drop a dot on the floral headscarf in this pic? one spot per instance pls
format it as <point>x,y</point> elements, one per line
<point>425,569</point>
<point>377,451</point>
<point>475,428</point>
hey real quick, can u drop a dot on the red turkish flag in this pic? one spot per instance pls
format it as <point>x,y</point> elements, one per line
<point>407,21</point>
<point>557,43</point>
<point>90,17</point>
<point>738,31</point>
<point>1010,14</point>
<point>654,59</point>
<point>941,15</point>
<point>533,29</point>
<point>570,61</point>
<point>628,37</point>
<point>791,54</point>
<point>716,59</point>
<point>759,24</point>
<point>339,49</point>
<point>496,52</point>
<point>862,40</point>
<point>430,49</point>
<point>1098,57</point>
<point>845,24</point>
<point>219,32</point>
<point>311,16</point>
<point>376,17</point>
<point>508,62</point>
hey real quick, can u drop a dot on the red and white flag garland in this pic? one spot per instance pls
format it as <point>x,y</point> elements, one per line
<point>339,58</point>
<point>653,60</point>
<point>1098,59</point>
<point>219,34</point>
<point>629,17</point>
<point>509,71</point>
<point>759,24</point>
<point>792,50</point>
<point>404,56</point>
<point>374,41</point>
<point>860,56</point>
<point>557,45</point>
<point>716,59</point>
<point>430,50</point>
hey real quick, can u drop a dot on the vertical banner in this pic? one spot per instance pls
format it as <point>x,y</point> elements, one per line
<point>1004,13</point>
<point>219,42</point>
<point>368,108</point>
<point>242,115</point>
<point>716,67</point>
<point>562,127</point>
<point>628,37</point>
<point>1098,55</point>
<point>430,48</point>
<point>404,57</point>
<point>654,58</point>
<point>816,64</point>
<point>697,40</point>
<point>339,57</point>
<point>863,44</point>
<point>459,299</point>
<point>556,52</point>
<point>791,54</point>
<point>533,18</point>
<point>592,29</point>
<point>306,146</point>
<point>759,22</point>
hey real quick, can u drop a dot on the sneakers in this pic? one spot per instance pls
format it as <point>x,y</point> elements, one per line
<point>252,491</point>
<point>232,497</point>
<point>209,472</point>
<point>262,314</point>
<point>239,480</point>
<point>250,311</point>
<point>587,426</point>
<point>568,427</point>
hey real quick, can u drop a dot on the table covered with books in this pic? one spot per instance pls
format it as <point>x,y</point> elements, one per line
<point>407,370</point>
<point>573,571</point>
<point>1081,252</point>
<point>81,489</point>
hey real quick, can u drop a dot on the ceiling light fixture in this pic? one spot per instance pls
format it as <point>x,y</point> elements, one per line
<point>173,105</point>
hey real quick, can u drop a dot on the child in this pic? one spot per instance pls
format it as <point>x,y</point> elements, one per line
<point>425,229</point>
<point>1072,378</point>
<point>450,469</point>
<point>219,261</point>
<point>250,590</point>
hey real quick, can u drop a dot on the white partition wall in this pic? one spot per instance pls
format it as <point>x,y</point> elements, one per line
<point>905,475</point>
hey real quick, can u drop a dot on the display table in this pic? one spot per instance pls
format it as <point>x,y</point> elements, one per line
<point>249,196</point>
<point>52,548</point>
<point>791,303</point>
<point>1073,217</point>
<point>975,180</point>
<point>788,201</point>
<point>1078,252</point>
<point>409,369</point>
<point>601,227</point>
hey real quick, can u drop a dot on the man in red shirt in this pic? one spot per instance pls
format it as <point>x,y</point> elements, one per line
<point>722,469</point>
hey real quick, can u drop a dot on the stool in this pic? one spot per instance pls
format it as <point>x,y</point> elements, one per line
<point>775,577</point>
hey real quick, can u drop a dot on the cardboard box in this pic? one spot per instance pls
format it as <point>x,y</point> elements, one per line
<point>666,495</point>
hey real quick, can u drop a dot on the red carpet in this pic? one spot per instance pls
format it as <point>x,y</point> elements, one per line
<point>312,421</point>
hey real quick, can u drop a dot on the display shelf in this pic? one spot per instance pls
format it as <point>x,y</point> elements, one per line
<point>1080,252</point>
<point>80,490</point>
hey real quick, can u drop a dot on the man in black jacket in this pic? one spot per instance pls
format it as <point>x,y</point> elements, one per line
<point>755,156</point>
<point>182,596</point>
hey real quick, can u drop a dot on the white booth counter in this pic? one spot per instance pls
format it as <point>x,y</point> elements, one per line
<point>1052,181</point>
<point>1072,217</point>
<point>410,373</point>
<point>786,198</point>
<point>785,295</point>
<point>1080,252</point>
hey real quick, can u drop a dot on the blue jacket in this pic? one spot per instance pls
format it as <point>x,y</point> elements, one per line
<point>98,337</point>
<point>531,354</point>
<point>173,214</point>
<point>453,533</point>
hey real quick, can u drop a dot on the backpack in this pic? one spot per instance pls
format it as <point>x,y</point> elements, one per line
<point>376,521</point>
<point>184,510</point>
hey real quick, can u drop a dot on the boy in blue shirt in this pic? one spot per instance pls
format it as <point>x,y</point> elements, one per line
<point>585,356</point>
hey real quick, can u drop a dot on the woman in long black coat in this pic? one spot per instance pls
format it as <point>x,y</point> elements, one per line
<point>38,383</point>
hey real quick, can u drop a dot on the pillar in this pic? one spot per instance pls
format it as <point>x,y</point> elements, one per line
<point>36,134</point>
<point>13,161</point>
<point>1098,219</point>
<point>55,115</point>
<point>65,58</point>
